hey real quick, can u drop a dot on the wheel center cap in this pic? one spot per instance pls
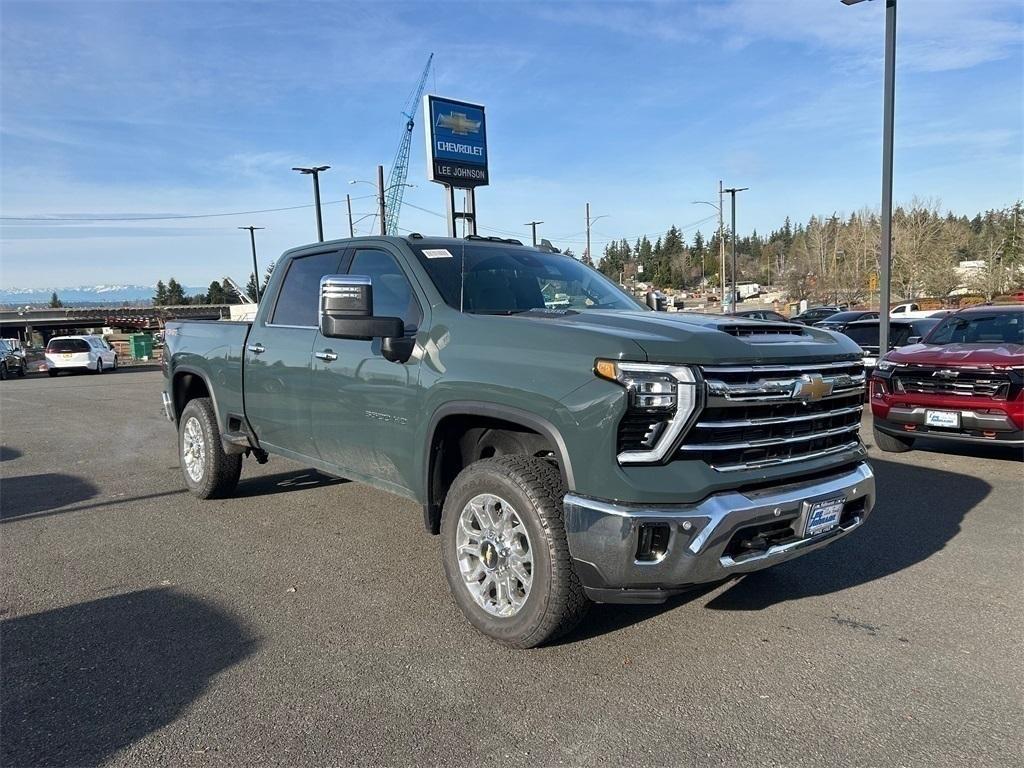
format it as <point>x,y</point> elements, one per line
<point>489,555</point>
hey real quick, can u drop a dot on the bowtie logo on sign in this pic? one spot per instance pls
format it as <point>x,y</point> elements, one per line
<point>459,124</point>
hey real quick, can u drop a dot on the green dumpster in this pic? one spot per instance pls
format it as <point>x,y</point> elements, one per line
<point>141,346</point>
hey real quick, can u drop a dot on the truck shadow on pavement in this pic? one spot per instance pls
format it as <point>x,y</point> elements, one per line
<point>28,495</point>
<point>82,682</point>
<point>285,482</point>
<point>8,453</point>
<point>917,512</point>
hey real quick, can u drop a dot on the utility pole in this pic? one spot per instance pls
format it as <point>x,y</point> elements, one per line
<point>351,227</point>
<point>588,232</point>
<point>732,193</point>
<point>533,227</point>
<point>721,244</point>
<point>380,199</point>
<point>315,172</point>
<point>255,266</point>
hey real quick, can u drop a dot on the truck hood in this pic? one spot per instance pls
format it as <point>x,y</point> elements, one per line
<point>693,338</point>
<point>959,354</point>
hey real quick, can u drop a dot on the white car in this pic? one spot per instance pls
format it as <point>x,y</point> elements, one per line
<point>911,310</point>
<point>79,353</point>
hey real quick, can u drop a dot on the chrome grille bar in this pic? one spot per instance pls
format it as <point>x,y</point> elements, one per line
<point>851,446</point>
<point>769,442</point>
<point>778,419</point>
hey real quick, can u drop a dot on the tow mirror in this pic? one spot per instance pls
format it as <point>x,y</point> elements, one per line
<point>346,310</point>
<point>913,340</point>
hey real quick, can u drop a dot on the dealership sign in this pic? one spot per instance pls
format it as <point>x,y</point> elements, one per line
<point>456,134</point>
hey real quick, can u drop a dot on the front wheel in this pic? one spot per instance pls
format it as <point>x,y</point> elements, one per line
<point>505,551</point>
<point>53,373</point>
<point>99,365</point>
<point>209,472</point>
<point>3,371</point>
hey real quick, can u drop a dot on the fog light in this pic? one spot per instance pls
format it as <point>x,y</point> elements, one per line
<point>652,542</point>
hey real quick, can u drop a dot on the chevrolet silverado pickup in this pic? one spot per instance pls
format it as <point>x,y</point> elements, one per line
<point>964,383</point>
<point>567,443</point>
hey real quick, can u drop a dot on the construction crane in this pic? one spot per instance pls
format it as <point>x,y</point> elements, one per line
<point>400,168</point>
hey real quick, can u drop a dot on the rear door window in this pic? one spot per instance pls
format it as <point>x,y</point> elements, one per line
<point>65,346</point>
<point>298,301</point>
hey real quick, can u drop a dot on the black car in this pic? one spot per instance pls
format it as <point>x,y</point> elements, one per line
<point>761,314</point>
<point>840,320</point>
<point>11,362</point>
<point>814,315</point>
<point>901,333</point>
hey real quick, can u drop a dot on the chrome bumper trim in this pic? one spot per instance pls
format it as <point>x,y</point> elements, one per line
<point>995,422</point>
<point>603,535</point>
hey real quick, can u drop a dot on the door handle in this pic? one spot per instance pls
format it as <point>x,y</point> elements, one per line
<point>257,349</point>
<point>327,355</point>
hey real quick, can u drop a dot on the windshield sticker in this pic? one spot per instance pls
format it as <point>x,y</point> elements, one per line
<point>437,253</point>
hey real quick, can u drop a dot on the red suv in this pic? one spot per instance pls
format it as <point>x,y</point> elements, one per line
<point>964,382</point>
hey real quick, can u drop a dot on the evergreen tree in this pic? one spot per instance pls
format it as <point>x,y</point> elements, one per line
<point>266,276</point>
<point>55,301</point>
<point>175,293</point>
<point>216,294</point>
<point>160,298</point>
<point>250,287</point>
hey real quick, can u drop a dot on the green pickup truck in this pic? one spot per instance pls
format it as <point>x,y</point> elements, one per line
<point>568,444</point>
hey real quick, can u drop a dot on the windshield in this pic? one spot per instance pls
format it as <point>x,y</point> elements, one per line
<point>846,317</point>
<point>979,328</point>
<point>867,335</point>
<point>517,279</point>
<point>67,345</point>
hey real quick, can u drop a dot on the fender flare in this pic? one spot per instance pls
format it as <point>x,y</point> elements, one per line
<point>539,424</point>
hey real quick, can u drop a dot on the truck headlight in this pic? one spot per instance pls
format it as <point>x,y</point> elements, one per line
<point>889,365</point>
<point>662,400</point>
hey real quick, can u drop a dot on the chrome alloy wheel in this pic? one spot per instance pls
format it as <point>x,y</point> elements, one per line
<point>193,449</point>
<point>494,555</point>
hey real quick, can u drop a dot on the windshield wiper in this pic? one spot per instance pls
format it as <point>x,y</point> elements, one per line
<point>495,311</point>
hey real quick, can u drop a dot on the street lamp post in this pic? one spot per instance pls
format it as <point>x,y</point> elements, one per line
<point>589,222</point>
<point>255,266</point>
<point>888,113</point>
<point>381,191</point>
<point>732,193</point>
<point>315,172</point>
<point>721,241</point>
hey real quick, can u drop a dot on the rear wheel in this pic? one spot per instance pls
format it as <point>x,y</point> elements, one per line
<point>53,373</point>
<point>209,472</point>
<point>891,443</point>
<point>99,365</point>
<point>3,371</point>
<point>505,552</point>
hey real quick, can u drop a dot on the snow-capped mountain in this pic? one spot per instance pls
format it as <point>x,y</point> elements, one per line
<point>84,294</point>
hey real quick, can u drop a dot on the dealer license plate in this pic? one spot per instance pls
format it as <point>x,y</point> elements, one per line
<point>824,515</point>
<point>870,362</point>
<point>949,419</point>
<point>66,357</point>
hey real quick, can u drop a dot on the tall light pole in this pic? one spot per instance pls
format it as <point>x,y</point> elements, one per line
<point>315,172</point>
<point>351,226</point>
<point>381,191</point>
<point>533,228</point>
<point>888,113</point>
<point>589,222</point>
<point>255,266</point>
<point>721,241</point>
<point>732,193</point>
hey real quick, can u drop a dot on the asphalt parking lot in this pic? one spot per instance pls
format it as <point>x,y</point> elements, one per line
<point>307,621</point>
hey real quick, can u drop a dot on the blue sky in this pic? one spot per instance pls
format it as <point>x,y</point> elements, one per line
<point>203,107</point>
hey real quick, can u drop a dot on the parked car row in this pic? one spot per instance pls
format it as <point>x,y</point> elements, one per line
<point>12,361</point>
<point>67,354</point>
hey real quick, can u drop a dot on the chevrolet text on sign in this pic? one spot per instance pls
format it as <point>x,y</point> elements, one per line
<point>456,134</point>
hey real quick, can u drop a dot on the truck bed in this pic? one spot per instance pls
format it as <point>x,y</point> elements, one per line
<point>214,349</point>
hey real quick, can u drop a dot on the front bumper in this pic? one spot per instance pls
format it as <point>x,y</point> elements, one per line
<point>724,535</point>
<point>975,426</point>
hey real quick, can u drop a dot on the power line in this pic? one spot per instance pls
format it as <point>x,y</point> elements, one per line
<point>172,217</point>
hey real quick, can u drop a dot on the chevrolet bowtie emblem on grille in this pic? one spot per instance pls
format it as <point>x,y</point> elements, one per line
<point>811,387</point>
<point>946,374</point>
<point>458,123</point>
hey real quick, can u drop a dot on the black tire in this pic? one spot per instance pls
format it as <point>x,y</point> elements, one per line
<point>21,371</point>
<point>556,601</point>
<point>53,373</point>
<point>891,443</point>
<point>3,371</point>
<point>99,365</point>
<point>220,470</point>
<point>115,363</point>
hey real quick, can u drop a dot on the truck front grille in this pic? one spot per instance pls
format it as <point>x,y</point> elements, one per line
<point>752,419</point>
<point>936,380</point>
